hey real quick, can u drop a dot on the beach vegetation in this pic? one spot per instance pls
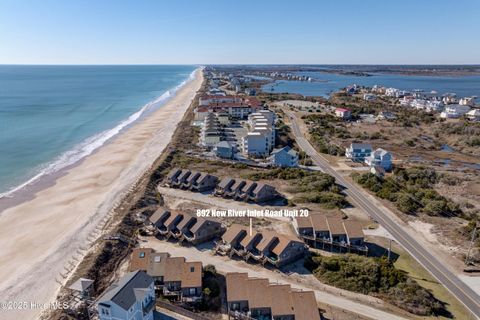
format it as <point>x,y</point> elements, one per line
<point>377,277</point>
<point>307,186</point>
<point>411,190</point>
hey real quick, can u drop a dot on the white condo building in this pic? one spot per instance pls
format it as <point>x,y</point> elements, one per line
<point>260,139</point>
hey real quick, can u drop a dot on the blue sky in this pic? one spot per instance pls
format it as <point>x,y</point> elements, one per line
<point>247,31</point>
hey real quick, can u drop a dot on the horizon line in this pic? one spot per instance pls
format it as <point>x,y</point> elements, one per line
<point>240,64</point>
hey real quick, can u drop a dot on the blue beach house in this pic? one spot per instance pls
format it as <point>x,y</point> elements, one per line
<point>358,151</point>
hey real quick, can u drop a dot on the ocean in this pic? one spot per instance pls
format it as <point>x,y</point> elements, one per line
<point>329,82</point>
<point>53,116</point>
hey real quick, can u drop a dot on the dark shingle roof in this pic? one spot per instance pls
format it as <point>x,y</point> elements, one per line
<point>361,146</point>
<point>124,293</point>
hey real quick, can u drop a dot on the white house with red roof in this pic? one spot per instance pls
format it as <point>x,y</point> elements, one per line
<point>343,113</point>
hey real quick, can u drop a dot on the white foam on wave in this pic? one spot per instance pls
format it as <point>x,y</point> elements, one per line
<point>89,145</point>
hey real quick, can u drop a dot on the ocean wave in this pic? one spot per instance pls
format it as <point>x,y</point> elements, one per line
<point>89,145</point>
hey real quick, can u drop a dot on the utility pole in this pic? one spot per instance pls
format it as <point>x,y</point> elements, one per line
<point>474,233</point>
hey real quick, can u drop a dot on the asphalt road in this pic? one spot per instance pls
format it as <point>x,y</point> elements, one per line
<point>382,215</point>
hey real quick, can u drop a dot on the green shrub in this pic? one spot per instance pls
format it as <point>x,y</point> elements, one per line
<point>376,276</point>
<point>308,186</point>
<point>411,190</point>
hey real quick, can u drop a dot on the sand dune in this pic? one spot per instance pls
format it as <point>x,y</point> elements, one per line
<point>40,236</point>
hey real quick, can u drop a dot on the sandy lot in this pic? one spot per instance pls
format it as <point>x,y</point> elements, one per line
<point>39,237</point>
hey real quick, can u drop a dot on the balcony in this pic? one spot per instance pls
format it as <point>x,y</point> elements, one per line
<point>146,308</point>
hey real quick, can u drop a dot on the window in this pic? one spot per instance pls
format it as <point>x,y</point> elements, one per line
<point>142,254</point>
<point>192,269</point>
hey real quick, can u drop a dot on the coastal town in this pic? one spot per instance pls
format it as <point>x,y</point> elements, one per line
<point>239,160</point>
<point>261,208</point>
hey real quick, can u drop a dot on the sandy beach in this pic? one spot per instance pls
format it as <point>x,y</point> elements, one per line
<point>40,236</point>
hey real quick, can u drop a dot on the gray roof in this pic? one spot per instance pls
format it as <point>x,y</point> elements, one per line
<point>173,173</point>
<point>286,149</point>
<point>225,182</point>
<point>160,215</point>
<point>381,152</point>
<point>292,152</point>
<point>261,186</point>
<point>81,284</point>
<point>127,290</point>
<point>361,146</point>
<point>224,144</point>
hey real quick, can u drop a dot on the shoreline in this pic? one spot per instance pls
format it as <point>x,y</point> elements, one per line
<point>26,190</point>
<point>59,219</point>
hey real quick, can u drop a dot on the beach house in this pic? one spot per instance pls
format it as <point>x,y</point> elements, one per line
<point>323,231</point>
<point>473,115</point>
<point>343,113</point>
<point>197,230</point>
<point>174,276</point>
<point>158,218</point>
<point>352,89</point>
<point>284,157</point>
<point>230,241</point>
<point>391,92</point>
<point>369,97</point>
<point>284,250</point>
<point>434,106</point>
<point>257,298</point>
<point>224,186</point>
<point>380,157</point>
<point>379,171</point>
<point>172,177</point>
<point>450,98</point>
<point>245,191</point>
<point>386,115</point>
<point>171,223</point>
<point>182,280</point>
<point>262,193</point>
<point>419,104</point>
<point>467,101</point>
<point>205,181</point>
<point>185,227</point>
<point>354,232</point>
<point>453,111</point>
<point>182,177</point>
<point>187,183</point>
<point>262,246</point>
<point>132,297</point>
<point>358,151</point>
<point>235,189</point>
<point>224,150</point>
<point>192,180</point>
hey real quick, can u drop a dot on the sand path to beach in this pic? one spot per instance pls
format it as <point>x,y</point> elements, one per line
<point>39,237</point>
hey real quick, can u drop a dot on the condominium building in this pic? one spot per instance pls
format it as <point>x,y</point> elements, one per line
<point>260,139</point>
<point>257,298</point>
